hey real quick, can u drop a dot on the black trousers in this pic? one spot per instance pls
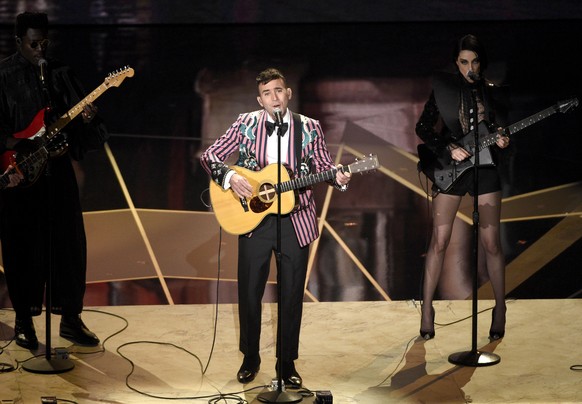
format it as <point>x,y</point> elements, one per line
<point>254,257</point>
<point>41,227</point>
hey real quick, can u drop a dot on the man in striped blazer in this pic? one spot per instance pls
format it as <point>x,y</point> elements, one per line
<point>303,151</point>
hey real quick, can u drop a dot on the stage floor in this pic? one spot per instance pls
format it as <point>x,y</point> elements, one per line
<point>363,352</point>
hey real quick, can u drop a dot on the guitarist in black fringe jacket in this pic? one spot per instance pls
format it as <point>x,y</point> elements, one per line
<point>443,122</point>
<point>42,224</point>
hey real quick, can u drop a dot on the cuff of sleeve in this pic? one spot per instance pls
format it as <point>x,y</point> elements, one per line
<point>227,177</point>
<point>342,188</point>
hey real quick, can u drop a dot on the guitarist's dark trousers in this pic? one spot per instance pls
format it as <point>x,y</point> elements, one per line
<point>254,257</point>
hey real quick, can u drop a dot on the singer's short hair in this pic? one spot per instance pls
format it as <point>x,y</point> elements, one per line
<point>270,74</point>
<point>471,43</point>
<point>33,20</point>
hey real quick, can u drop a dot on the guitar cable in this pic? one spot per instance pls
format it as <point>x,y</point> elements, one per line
<point>205,203</point>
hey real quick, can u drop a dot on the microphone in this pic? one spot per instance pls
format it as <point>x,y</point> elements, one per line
<point>473,76</point>
<point>42,64</point>
<point>278,117</point>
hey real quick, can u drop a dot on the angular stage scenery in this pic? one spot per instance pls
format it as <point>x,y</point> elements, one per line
<point>162,275</point>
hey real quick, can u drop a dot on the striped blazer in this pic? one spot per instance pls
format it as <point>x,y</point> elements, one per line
<point>248,137</point>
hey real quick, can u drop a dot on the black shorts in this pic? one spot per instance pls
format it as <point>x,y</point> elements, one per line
<point>488,182</point>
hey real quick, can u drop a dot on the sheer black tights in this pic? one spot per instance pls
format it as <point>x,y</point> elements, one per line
<point>444,211</point>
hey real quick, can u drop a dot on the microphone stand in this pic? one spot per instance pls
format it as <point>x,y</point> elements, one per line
<point>279,396</point>
<point>474,357</point>
<point>48,364</point>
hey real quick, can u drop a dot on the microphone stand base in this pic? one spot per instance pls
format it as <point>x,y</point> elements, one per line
<point>279,397</point>
<point>474,358</point>
<point>48,366</point>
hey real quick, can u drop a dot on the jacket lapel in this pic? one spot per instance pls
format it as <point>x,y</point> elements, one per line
<point>261,140</point>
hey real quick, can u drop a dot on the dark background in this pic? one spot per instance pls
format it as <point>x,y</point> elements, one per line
<point>156,117</point>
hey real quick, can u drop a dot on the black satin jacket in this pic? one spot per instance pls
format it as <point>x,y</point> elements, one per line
<point>439,125</point>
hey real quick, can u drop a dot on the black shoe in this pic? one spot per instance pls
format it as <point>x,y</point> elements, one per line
<point>289,375</point>
<point>24,333</point>
<point>73,329</point>
<point>249,369</point>
<point>495,335</point>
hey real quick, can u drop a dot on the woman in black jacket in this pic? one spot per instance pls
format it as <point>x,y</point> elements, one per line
<point>447,117</point>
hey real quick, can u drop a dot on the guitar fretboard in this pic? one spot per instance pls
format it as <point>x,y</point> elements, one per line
<point>491,138</point>
<point>54,129</point>
<point>524,123</point>
<point>368,163</point>
<point>308,180</point>
<point>113,80</point>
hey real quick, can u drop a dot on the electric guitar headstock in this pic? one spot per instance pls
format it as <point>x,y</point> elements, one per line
<point>567,105</point>
<point>115,78</point>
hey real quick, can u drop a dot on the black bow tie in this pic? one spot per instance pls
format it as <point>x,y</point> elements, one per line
<point>271,127</point>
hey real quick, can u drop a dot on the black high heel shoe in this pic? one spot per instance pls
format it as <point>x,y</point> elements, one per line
<point>428,334</point>
<point>495,335</point>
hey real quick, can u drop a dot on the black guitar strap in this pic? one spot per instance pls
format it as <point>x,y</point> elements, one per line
<point>298,140</point>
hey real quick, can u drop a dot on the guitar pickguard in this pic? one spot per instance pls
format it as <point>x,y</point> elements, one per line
<point>258,206</point>
<point>30,165</point>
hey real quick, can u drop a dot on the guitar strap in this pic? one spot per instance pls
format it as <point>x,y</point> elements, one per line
<point>298,140</point>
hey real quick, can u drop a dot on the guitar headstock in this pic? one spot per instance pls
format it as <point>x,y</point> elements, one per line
<point>367,163</point>
<point>567,105</point>
<point>116,78</point>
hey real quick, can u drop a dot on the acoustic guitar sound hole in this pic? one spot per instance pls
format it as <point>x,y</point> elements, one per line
<point>267,193</point>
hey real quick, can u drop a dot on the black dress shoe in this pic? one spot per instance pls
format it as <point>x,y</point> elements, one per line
<point>24,333</point>
<point>289,375</point>
<point>249,369</point>
<point>73,329</point>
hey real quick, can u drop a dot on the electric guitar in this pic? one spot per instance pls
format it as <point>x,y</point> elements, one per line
<point>31,165</point>
<point>444,172</point>
<point>241,215</point>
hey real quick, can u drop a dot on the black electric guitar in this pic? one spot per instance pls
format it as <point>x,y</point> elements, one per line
<point>443,171</point>
<point>240,216</point>
<point>31,165</point>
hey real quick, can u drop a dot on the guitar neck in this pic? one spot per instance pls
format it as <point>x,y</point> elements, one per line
<point>491,138</point>
<point>308,180</point>
<point>56,127</point>
<point>524,123</point>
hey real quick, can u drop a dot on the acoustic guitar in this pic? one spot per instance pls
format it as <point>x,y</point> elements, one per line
<point>240,216</point>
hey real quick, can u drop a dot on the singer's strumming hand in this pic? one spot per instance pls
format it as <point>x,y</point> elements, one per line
<point>458,153</point>
<point>241,186</point>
